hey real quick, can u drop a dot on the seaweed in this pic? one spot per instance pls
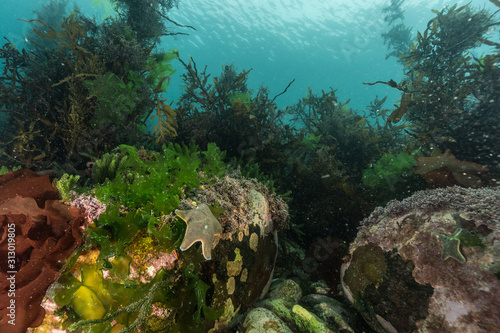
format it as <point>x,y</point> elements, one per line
<point>247,125</point>
<point>398,37</point>
<point>96,300</point>
<point>65,185</point>
<point>352,140</point>
<point>332,145</point>
<point>146,19</point>
<point>107,167</point>
<point>89,86</point>
<point>438,71</point>
<point>392,177</point>
<point>141,192</point>
<point>46,234</point>
<point>116,99</point>
<point>52,14</point>
<point>4,169</point>
<point>447,93</point>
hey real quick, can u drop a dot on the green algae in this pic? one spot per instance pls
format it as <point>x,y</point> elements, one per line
<point>367,267</point>
<point>143,189</point>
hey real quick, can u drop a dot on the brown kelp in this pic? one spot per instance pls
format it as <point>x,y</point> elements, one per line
<point>223,110</point>
<point>84,86</point>
<point>447,90</point>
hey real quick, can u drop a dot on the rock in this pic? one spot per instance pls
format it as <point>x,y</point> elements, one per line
<point>279,307</point>
<point>331,311</point>
<point>288,290</point>
<point>321,288</point>
<point>203,295</point>
<point>308,322</point>
<point>240,273</point>
<point>333,316</point>
<point>243,258</point>
<point>315,299</point>
<point>260,320</point>
<point>339,316</point>
<point>313,312</point>
<point>298,318</point>
<point>427,263</point>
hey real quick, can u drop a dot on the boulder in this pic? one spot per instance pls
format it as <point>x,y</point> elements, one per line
<point>429,263</point>
<point>260,320</point>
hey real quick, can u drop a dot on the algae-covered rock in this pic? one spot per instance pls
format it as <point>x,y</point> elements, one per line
<point>244,255</point>
<point>287,290</point>
<point>307,321</point>
<point>427,263</point>
<point>336,315</point>
<point>310,313</point>
<point>261,320</point>
<point>142,267</point>
<point>298,318</point>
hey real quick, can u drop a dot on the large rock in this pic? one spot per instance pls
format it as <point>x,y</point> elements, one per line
<point>206,290</point>
<point>244,255</point>
<point>429,263</point>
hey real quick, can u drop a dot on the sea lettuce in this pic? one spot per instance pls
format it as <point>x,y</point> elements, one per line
<point>391,174</point>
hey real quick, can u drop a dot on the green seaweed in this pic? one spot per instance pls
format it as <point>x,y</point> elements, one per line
<point>392,176</point>
<point>244,98</point>
<point>116,99</point>
<point>161,64</point>
<point>4,169</point>
<point>311,141</point>
<point>470,234</point>
<point>146,186</point>
<point>65,185</point>
<point>213,156</point>
<point>98,302</point>
<point>107,167</point>
<point>387,171</point>
<point>468,238</point>
<point>150,186</point>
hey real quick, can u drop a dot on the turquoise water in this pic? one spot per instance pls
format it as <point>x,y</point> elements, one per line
<point>337,169</point>
<point>320,44</point>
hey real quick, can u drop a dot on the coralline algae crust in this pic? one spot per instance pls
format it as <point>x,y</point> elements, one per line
<point>450,238</point>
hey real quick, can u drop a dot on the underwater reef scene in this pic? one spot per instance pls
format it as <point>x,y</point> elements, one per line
<point>125,208</point>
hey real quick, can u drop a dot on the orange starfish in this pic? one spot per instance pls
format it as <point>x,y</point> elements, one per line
<point>202,226</point>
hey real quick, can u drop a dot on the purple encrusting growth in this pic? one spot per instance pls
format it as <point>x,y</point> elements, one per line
<point>482,203</point>
<point>90,206</point>
<point>465,293</point>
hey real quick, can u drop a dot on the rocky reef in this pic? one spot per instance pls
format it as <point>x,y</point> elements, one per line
<point>429,263</point>
<point>175,241</point>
